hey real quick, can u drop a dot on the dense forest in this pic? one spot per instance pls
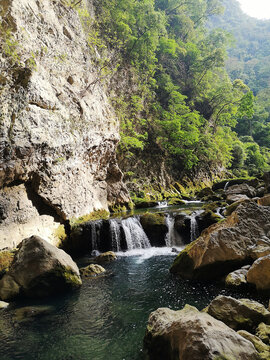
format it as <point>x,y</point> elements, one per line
<point>181,96</point>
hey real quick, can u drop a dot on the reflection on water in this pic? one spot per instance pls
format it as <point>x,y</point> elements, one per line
<point>106,318</point>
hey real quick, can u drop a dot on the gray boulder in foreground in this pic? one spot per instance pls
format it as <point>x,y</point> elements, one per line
<point>188,334</point>
<point>39,269</point>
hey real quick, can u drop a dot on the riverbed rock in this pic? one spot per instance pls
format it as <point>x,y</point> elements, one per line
<point>3,305</point>
<point>27,313</point>
<point>263,332</point>
<point>236,278</point>
<point>264,201</point>
<point>259,274</point>
<point>238,314</point>
<point>263,349</point>
<point>91,270</point>
<point>241,189</point>
<point>234,198</point>
<point>188,334</point>
<point>39,269</point>
<point>105,257</point>
<point>225,246</point>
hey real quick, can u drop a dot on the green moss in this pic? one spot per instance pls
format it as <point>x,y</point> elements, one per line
<point>60,233</point>
<point>6,258</point>
<point>95,215</point>
<point>153,219</point>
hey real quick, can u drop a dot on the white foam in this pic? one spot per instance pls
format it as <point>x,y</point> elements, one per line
<point>144,254</point>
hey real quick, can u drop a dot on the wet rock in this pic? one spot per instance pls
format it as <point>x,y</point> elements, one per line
<point>191,335</point>
<point>39,269</point>
<point>91,270</point>
<point>238,314</point>
<point>262,348</point>
<point>27,313</point>
<point>105,257</point>
<point>259,274</point>
<point>263,332</point>
<point>237,278</point>
<point>155,228</point>
<point>225,246</point>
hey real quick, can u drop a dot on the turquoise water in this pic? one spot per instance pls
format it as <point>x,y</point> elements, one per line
<point>106,318</point>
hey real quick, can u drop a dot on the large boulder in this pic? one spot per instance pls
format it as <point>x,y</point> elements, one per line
<point>225,246</point>
<point>241,189</point>
<point>39,269</point>
<point>263,349</point>
<point>259,274</point>
<point>264,201</point>
<point>188,334</point>
<point>238,314</point>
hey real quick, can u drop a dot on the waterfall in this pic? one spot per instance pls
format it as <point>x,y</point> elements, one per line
<point>218,212</point>
<point>95,234</point>
<point>226,185</point>
<point>170,236</point>
<point>162,204</point>
<point>194,229</point>
<point>134,234</point>
<point>115,235</point>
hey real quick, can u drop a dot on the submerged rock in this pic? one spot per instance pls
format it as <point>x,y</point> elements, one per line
<point>225,246</point>
<point>39,269</point>
<point>105,257</point>
<point>27,313</point>
<point>188,334</point>
<point>238,314</point>
<point>259,274</point>
<point>91,270</point>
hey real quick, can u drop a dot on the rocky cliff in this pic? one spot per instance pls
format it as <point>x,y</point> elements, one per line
<point>58,132</point>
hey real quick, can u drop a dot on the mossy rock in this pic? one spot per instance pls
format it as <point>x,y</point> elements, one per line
<point>214,205</point>
<point>257,342</point>
<point>154,225</point>
<point>175,201</point>
<point>91,270</point>
<point>6,258</point>
<point>95,215</point>
<point>144,204</point>
<point>106,257</point>
<point>263,332</point>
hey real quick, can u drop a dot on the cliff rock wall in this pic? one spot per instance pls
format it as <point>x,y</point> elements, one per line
<point>58,133</point>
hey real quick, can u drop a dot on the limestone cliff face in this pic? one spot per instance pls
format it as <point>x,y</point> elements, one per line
<point>58,133</point>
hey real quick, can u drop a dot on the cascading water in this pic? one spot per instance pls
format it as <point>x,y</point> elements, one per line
<point>194,229</point>
<point>134,234</point>
<point>95,234</point>
<point>218,212</point>
<point>226,185</point>
<point>162,204</point>
<point>115,234</point>
<point>172,238</point>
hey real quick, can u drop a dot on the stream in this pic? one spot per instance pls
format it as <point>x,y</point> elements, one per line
<point>106,318</point>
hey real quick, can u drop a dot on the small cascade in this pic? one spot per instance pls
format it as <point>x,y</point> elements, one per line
<point>194,229</point>
<point>218,212</point>
<point>226,185</point>
<point>162,204</point>
<point>115,235</point>
<point>134,234</point>
<point>170,236</point>
<point>95,234</point>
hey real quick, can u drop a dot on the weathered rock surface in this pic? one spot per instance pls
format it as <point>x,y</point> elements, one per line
<point>262,348</point>
<point>188,334</point>
<point>259,274</point>
<point>238,314</point>
<point>225,246</point>
<point>241,189</point>
<point>91,270</point>
<point>263,332</point>
<point>105,257</point>
<point>264,201</point>
<point>39,269</point>
<point>234,198</point>
<point>58,132</point>
<point>237,278</point>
